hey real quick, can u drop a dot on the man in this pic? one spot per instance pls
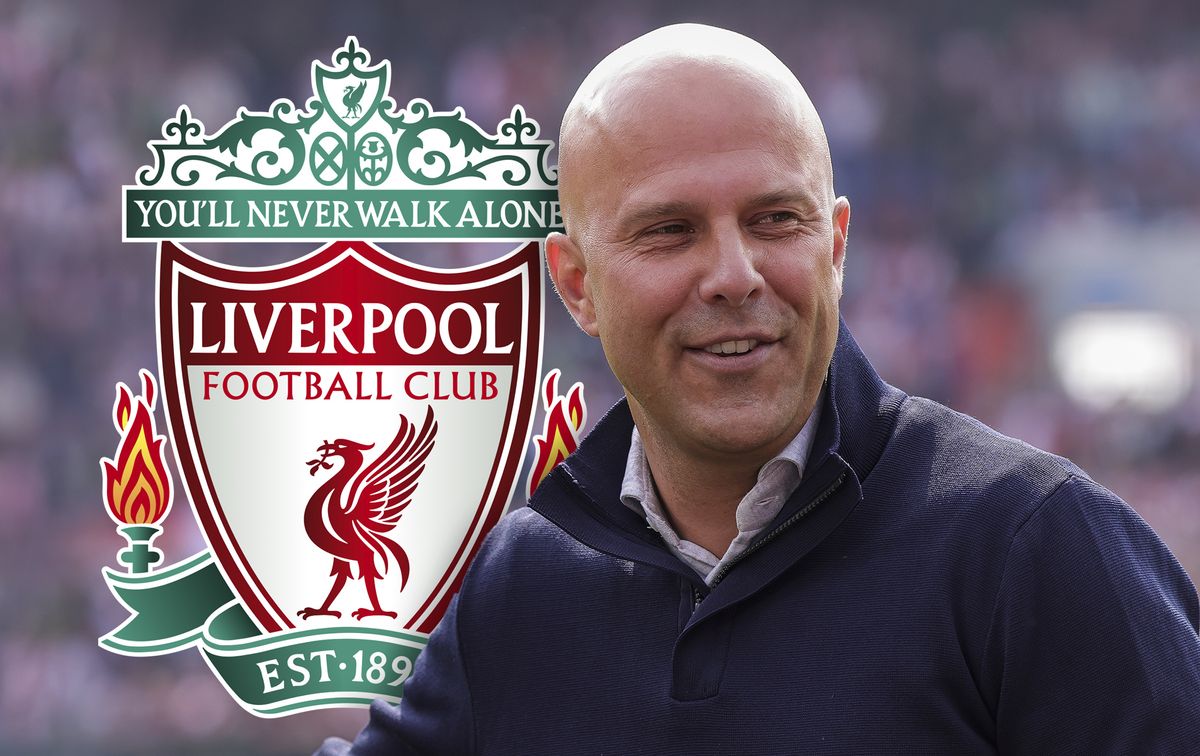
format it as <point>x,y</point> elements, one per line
<point>765,548</point>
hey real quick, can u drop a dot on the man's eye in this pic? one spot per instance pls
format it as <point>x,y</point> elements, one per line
<point>781,216</point>
<point>670,228</point>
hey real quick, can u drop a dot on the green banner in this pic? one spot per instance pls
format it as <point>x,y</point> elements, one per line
<point>270,674</point>
<point>325,214</point>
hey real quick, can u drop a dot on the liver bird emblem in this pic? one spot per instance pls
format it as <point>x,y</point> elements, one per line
<point>352,99</point>
<point>349,515</point>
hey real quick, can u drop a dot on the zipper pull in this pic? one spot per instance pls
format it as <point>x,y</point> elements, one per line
<point>697,597</point>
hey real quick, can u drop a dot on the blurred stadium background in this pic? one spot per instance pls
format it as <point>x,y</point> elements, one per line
<point>1025,247</point>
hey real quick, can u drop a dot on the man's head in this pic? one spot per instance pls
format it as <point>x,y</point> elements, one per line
<point>698,198</point>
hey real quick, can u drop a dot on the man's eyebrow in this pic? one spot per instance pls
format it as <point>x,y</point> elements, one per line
<point>655,211</point>
<point>805,200</point>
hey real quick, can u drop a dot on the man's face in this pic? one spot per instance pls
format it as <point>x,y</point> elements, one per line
<point>711,251</point>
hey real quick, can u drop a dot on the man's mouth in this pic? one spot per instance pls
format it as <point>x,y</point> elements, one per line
<point>741,355</point>
<point>737,346</point>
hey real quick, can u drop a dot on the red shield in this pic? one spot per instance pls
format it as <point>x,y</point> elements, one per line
<point>349,425</point>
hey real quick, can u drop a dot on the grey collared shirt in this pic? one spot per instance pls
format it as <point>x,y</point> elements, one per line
<point>777,479</point>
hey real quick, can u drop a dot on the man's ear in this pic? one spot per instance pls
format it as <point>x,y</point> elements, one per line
<point>841,230</point>
<point>568,270</point>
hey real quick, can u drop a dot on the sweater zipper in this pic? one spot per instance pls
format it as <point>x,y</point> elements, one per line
<point>771,536</point>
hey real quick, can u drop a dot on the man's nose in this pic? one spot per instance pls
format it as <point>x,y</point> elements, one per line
<point>731,276</point>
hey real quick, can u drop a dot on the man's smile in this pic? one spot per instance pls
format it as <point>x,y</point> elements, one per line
<point>733,354</point>
<point>739,346</point>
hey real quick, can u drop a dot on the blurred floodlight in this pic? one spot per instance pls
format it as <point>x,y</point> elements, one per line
<point>1139,358</point>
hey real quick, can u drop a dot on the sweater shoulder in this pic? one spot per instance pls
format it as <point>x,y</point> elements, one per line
<point>969,466</point>
<point>522,539</point>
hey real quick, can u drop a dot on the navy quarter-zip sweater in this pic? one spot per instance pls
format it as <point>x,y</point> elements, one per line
<point>931,587</point>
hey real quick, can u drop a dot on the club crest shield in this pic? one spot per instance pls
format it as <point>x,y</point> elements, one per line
<point>347,426</point>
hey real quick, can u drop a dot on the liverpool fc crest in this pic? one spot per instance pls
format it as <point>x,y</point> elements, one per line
<point>348,426</point>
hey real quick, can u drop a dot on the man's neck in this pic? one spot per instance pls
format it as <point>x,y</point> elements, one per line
<point>701,501</point>
<point>700,494</point>
<point>700,489</point>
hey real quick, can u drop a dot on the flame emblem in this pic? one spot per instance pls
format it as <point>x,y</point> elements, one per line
<point>137,488</point>
<point>565,417</point>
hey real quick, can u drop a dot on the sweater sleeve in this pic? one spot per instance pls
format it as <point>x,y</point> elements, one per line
<point>434,714</point>
<point>1093,644</point>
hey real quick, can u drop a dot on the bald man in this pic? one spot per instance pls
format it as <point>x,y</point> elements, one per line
<point>765,548</point>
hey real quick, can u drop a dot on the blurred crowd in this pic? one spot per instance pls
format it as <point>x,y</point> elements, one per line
<point>1008,164</point>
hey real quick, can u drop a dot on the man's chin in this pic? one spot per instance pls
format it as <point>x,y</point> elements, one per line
<point>739,433</point>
